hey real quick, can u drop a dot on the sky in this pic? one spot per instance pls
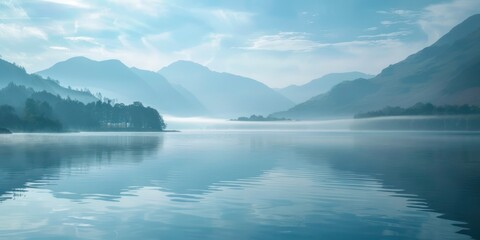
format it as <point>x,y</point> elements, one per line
<point>277,42</point>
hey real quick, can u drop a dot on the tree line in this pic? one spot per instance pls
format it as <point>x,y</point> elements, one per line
<point>422,109</point>
<point>23,109</point>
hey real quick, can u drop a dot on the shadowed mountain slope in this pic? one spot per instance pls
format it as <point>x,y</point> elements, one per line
<point>448,72</point>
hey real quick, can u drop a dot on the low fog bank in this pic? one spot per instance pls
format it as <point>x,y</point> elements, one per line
<point>201,123</point>
<point>403,123</point>
<point>420,123</point>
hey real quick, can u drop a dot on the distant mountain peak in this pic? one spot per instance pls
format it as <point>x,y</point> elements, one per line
<point>85,60</point>
<point>343,73</point>
<point>112,61</point>
<point>186,66</point>
<point>225,94</point>
<point>79,58</point>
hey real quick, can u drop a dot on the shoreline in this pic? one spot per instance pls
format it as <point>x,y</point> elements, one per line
<point>66,132</point>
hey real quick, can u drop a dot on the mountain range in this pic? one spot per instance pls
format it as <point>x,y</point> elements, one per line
<point>115,80</point>
<point>447,72</point>
<point>302,93</point>
<point>182,89</point>
<point>225,94</point>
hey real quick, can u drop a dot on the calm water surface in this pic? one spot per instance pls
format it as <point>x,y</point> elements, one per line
<point>240,185</point>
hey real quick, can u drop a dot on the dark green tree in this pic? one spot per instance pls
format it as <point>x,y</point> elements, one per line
<point>9,118</point>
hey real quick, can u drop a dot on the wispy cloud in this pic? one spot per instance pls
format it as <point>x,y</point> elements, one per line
<point>434,20</point>
<point>230,16</point>
<point>388,22</point>
<point>400,12</point>
<point>9,10</point>
<point>60,48</point>
<point>438,19</point>
<point>396,17</point>
<point>20,32</point>
<point>299,42</point>
<point>151,41</point>
<point>387,35</point>
<point>284,41</point>
<point>70,3</point>
<point>83,39</point>
<point>149,7</point>
<point>221,19</point>
<point>206,52</point>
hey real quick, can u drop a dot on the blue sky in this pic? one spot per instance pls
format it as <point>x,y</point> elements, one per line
<point>278,42</point>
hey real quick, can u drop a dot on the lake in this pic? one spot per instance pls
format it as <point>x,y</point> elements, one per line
<point>240,185</point>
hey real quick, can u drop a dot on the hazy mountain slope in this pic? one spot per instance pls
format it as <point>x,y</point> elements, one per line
<point>448,72</point>
<point>111,78</point>
<point>224,94</point>
<point>115,80</point>
<point>11,73</point>
<point>170,99</point>
<point>301,93</point>
<point>190,97</point>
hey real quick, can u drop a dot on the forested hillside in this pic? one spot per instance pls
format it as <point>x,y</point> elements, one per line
<point>24,110</point>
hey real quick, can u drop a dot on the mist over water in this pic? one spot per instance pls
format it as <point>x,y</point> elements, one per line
<point>394,123</point>
<point>200,123</point>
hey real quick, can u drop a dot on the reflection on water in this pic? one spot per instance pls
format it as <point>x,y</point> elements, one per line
<point>37,159</point>
<point>252,185</point>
